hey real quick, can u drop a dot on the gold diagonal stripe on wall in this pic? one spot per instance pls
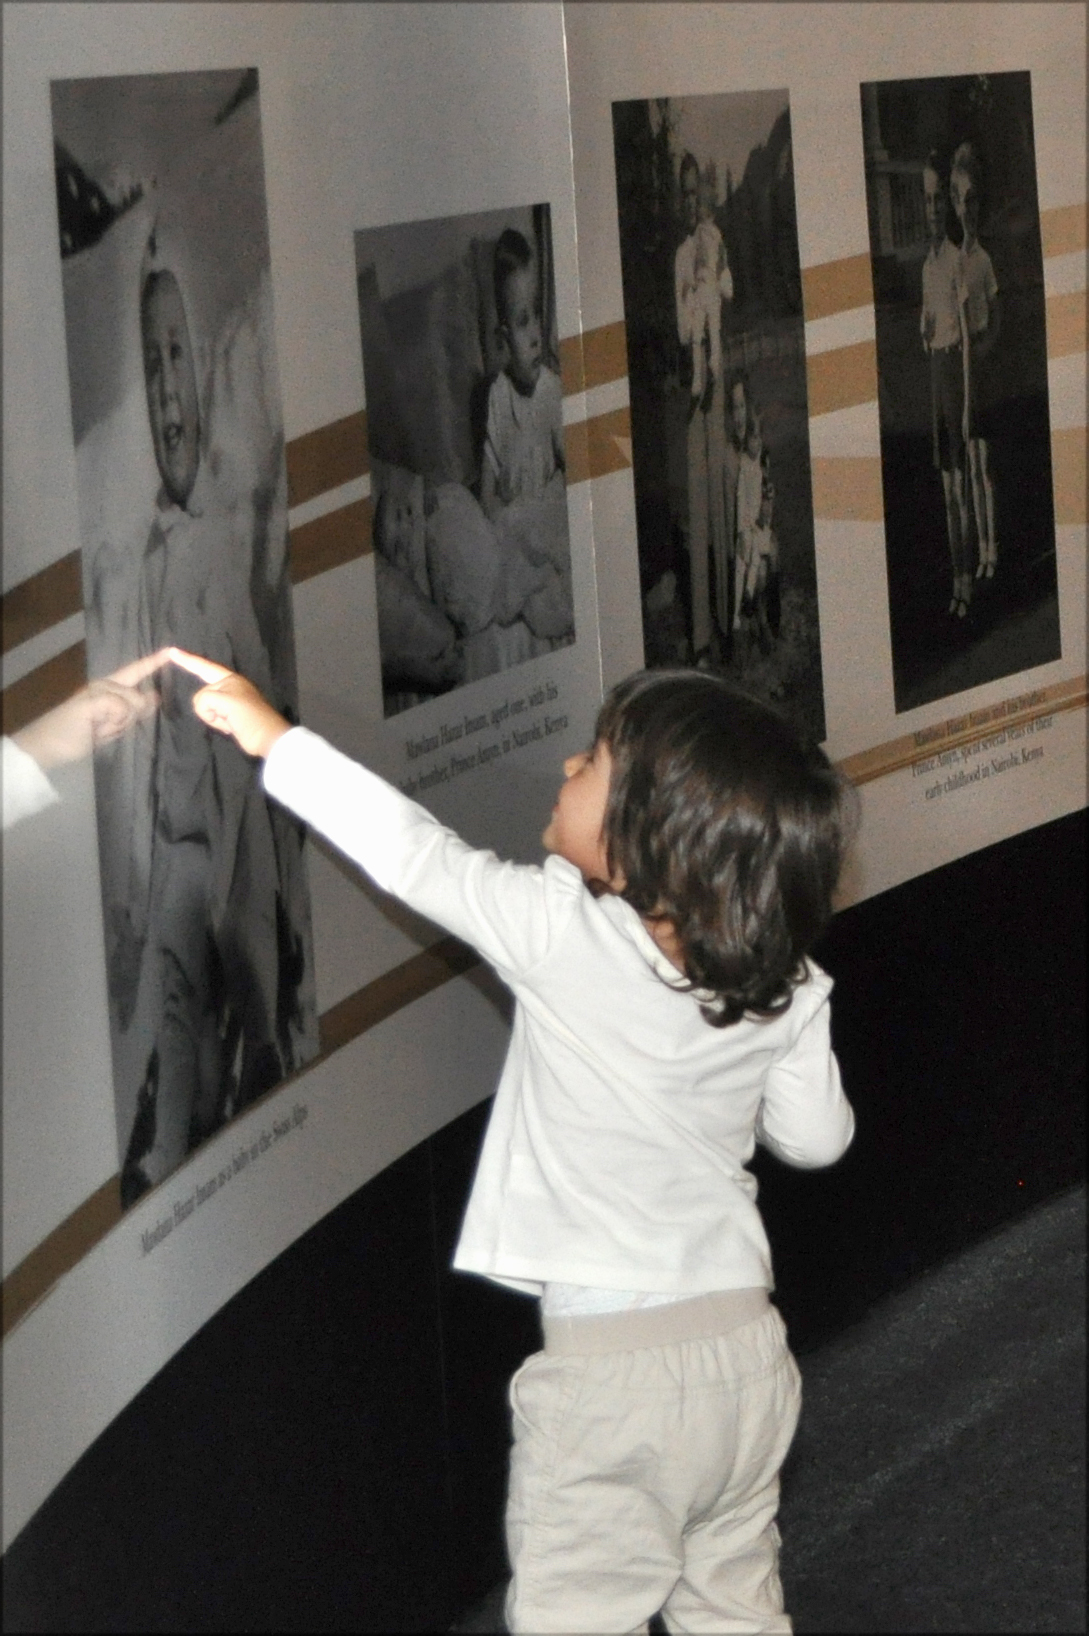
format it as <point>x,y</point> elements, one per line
<point>595,358</point>
<point>841,377</point>
<point>89,1223</point>
<point>605,354</point>
<point>597,446</point>
<point>836,286</point>
<point>1062,229</point>
<point>329,541</point>
<point>608,440</point>
<point>76,1236</point>
<point>389,993</point>
<point>43,600</point>
<point>905,751</point>
<point>1068,474</point>
<point>847,488</point>
<point>44,687</point>
<point>327,457</point>
<point>1066,324</point>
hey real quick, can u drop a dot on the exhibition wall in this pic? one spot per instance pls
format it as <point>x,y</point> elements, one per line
<point>385,149</point>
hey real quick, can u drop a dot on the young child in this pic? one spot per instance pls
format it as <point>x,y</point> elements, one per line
<point>753,526</point>
<point>667,1019</point>
<point>977,291</point>
<point>940,329</point>
<point>760,601</point>
<point>523,445</point>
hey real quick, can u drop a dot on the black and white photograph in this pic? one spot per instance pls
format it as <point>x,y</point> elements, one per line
<point>719,408</point>
<point>958,283</point>
<point>182,497</point>
<point>472,553</point>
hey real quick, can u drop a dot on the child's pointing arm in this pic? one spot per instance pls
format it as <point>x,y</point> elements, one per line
<point>495,907</point>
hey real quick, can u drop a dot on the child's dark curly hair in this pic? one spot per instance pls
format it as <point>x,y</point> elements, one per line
<point>723,823</point>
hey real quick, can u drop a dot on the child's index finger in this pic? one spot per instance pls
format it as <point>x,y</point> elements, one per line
<point>206,669</point>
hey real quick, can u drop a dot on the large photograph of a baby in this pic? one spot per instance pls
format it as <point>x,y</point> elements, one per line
<point>472,553</point>
<point>182,503</point>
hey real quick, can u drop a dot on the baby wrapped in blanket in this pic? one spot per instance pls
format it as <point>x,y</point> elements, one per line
<point>453,586</point>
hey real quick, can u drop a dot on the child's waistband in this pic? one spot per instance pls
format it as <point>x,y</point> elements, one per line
<point>694,1319</point>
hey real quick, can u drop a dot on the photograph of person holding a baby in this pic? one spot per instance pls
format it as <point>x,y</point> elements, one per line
<point>465,430</point>
<point>716,370</point>
<point>182,498</point>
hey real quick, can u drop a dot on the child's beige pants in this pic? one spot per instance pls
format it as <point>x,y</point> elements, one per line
<point>645,1470</point>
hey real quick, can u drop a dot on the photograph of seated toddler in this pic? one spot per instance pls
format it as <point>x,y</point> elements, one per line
<point>470,531</point>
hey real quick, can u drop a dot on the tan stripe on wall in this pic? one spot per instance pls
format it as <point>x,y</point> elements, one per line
<point>1068,474</point>
<point>56,1254</point>
<point>1062,229</point>
<point>847,488</point>
<point>841,377</point>
<point>44,687</point>
<point>327,457</point>
<point>836,286</point>
<point>1066,323</point>
<point>328,542</point>
<point>43,600</point>
<point>597,446</point>
<point>395,989</point>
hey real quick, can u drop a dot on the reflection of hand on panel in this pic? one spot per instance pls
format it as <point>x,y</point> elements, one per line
<point>95,715</point>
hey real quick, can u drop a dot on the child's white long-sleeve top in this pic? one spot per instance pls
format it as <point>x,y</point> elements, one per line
<point>615,1155</point>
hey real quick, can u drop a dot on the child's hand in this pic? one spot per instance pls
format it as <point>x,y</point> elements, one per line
<point>232,705</point>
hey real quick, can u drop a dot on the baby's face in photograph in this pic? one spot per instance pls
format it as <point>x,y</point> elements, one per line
<point>171,380</point>
<point>522,328</point>
<point>403,538</point>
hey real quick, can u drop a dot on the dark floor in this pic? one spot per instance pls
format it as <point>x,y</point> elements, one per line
<point>937,1482</point>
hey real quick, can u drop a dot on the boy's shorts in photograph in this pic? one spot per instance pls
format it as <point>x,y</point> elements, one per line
<point>947,406</point>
